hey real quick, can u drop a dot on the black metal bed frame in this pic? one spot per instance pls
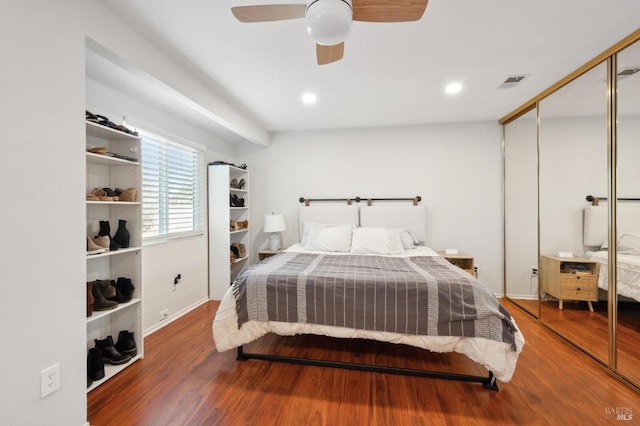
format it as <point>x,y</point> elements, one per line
<point>488,382</point>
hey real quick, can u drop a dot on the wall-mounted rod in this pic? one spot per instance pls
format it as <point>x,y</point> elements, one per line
<point>415,200</point>
<point>595,200</point>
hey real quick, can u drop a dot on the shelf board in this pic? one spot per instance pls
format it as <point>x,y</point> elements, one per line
<point>109,161</point>
<point>244,191</point>
<point>240,260</point>
<point>101,314</point>
<point>113,253</point>
<point>116,203</point>
<point>239,231</point>
<point>239,208</point>
<point>112,370</point>
<point>104,132</point>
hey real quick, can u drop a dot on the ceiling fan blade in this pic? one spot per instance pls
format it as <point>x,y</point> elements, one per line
<point>388,10</point>
<point>328,54</point>
<point>268,12</point>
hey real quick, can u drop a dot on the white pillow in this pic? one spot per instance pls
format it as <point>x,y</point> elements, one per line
<point>307,227</point>
<point>629,244</point>
<point>376,241</point>
<point>329,238</point>
<point>409,240</point>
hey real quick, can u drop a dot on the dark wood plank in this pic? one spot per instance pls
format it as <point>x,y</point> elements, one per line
<point>183,381</point>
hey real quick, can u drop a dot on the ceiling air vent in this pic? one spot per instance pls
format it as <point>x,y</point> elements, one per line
<point>512,81</point>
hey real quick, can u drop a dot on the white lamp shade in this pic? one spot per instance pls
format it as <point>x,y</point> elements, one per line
<point>274,223</point>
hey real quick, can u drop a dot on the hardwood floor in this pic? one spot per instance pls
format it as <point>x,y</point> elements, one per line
<point>183,381</point>
<point>590,330</point>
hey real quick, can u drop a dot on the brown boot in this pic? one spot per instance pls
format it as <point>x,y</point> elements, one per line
<point>100,303</point>
<point>90,299</point>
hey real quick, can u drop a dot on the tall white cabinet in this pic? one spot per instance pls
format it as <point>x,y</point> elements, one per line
<point>223,188</point>
<point>112,172</point>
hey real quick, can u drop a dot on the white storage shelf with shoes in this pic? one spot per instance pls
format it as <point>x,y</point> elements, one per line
<point>229,225</point>
<point>113,207</point>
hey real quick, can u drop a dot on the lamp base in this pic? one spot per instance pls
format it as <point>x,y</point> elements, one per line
<point>274,241</point>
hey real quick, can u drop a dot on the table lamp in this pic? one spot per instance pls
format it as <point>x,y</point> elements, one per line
<point>274,224</point>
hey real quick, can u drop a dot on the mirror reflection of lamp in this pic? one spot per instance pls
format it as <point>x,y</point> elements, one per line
<point>274,225</point>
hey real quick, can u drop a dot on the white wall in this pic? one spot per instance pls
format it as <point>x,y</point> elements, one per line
<point>42,222</point>
<point>573,164</point>
<point>456,168</point>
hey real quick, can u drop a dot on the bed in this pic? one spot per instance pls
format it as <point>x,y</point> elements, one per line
<point>628,247</point>
<point>361,272</point>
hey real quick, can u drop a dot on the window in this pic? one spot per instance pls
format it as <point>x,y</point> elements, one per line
<point>172,189</point>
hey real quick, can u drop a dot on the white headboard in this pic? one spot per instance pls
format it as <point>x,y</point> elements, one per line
<point>596,225</point>
<point>412,218</point>
<point>347,214</point>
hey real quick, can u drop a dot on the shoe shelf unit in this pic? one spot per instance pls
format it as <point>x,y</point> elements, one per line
<point>112,172</point>
<point>221,234</point>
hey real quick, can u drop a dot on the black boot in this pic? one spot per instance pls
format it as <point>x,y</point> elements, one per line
<point>126,288</point>
<point>105,229</point>
<point>110,354</point>
<point>126,344</point>
<point>122,236</point>
<point>95,366</point>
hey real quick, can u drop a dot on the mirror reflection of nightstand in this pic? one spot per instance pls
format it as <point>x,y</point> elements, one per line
<point>263,254</point>
<point>462,261</point>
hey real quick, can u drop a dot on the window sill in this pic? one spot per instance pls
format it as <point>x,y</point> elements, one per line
<point>171,238</point>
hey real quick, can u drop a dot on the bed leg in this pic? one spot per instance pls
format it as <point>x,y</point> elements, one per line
<point>241,356</point>
<point>491,382</point>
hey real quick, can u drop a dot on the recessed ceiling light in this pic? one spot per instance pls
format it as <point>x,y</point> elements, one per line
<point>309,98</point>
<point>453,88</point>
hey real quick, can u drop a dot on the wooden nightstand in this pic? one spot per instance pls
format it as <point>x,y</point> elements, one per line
<point>461,260</point>
<point>570,278</point>
<point>263,254</point>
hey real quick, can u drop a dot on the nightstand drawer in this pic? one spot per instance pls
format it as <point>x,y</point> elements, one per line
<point>582,281</point>
<point>579,293</point>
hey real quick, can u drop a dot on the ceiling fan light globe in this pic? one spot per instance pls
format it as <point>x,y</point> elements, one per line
<point>329,21</point>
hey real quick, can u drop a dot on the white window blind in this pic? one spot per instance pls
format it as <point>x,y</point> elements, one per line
<point>172,189</point>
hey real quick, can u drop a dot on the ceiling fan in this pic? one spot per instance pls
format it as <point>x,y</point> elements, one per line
<point>329,21</point>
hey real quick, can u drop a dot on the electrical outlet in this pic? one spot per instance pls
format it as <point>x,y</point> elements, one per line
<point>164,315</point>
<point>49,380</point>
<point>534,270</point>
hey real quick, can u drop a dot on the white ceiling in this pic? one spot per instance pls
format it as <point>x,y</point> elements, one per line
<point>391,74</point>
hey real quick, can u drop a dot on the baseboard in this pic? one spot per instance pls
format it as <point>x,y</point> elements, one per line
<point>523,296</point>
<point>157,326</point>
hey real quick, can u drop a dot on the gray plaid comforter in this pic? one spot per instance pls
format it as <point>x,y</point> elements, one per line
<point>423,295</point>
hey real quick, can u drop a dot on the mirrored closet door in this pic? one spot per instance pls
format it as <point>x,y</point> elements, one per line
<point>588,151</point>
<point>520,156</point>
<point>627,332</point>
<point>573,165</point>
